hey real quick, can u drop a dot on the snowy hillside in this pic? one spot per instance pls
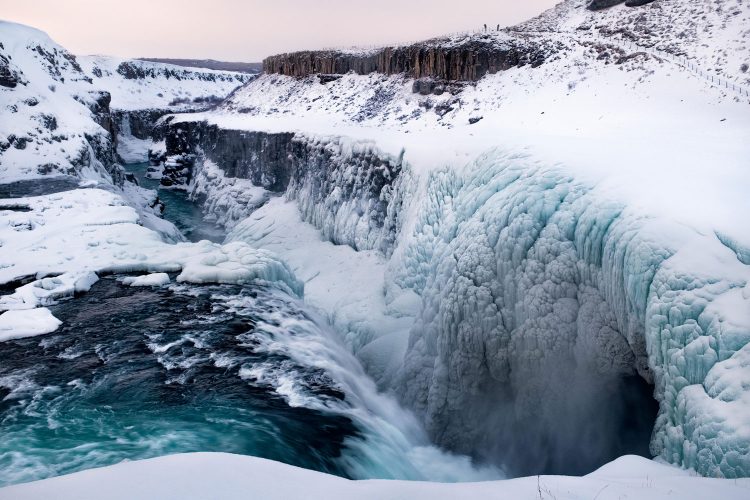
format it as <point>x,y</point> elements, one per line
<point>589,212</point>
<point>54,120</point>
<point>136,84</point>
<point>714,35</point>
<point>143,91</point>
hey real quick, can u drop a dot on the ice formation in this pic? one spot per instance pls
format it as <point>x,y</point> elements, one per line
<point>533,284</point>
<point>556,261</point>
<point>17,324</point>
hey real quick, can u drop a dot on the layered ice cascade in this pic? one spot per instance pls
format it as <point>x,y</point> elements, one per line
<point>540,300</point>
<point>540,305</point>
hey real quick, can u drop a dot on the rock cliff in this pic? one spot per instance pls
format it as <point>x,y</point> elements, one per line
<point>467,58</point>
<point>348,190</point>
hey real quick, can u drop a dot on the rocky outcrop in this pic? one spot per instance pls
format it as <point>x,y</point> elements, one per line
<point>445,59</point>
<point>8,77</point>
<point>139,123</point>
<point>603,4</point>
<point>100,108</point>
<point>134,70</point>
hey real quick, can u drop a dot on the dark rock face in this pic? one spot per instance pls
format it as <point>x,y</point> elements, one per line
<point>314,173</point>
<point>99,106</point>
<point>263,158</point>
<point>427,86</point>
<point>138,123</point>
<point>467,61</point>
<point>637,3</point>
<point>8,77</point>
<point>58,61</point>
<point>603,4</point>
<point>178,171</point>
<point>134,71</point>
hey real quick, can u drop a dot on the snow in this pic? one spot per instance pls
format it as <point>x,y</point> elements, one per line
<point>217,475</point>
<point>154,279</point>
<point>160,85</point>
<point>27,323</point>
<point>133,150</point>
<point>712,34</point>
<point>74,234</point>
<point>345,285</point>
<point>47,123</point>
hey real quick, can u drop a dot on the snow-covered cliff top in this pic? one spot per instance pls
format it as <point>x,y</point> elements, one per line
<point>632,126</point>
<point>136,84</point>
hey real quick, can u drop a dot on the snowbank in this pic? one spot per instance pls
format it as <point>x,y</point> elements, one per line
<point>217,475</point>
<point>154,279</point>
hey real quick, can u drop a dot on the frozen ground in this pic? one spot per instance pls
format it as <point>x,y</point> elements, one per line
<point>216,475</point>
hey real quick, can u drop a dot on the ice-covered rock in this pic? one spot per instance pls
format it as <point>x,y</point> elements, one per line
<point>22,323</point>
<point>153,279</point>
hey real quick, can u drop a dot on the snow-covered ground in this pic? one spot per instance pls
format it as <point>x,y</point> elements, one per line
<point>136,84</point>
<point>216,475</point>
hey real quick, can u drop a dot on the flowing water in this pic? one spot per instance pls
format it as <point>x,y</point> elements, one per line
<point>179,210</point>
<point>141,372</point>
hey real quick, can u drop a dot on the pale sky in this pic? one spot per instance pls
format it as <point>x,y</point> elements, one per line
<point>236,30</point>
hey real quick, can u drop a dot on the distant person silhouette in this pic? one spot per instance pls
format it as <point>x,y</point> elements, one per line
<point>485,26</point>
<point>498,28</point>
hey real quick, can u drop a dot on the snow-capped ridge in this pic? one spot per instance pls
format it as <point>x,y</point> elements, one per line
<point>136,84</point>
<point>58,121</point>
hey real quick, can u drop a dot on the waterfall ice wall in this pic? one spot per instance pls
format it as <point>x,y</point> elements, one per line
<point>542,304</point>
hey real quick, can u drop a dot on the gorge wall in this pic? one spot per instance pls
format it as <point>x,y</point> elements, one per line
<point>468,60</point>
<point>347,190</point>
<point>542,306</point>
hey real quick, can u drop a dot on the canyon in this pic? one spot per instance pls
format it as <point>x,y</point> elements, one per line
<point>527,244</point>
